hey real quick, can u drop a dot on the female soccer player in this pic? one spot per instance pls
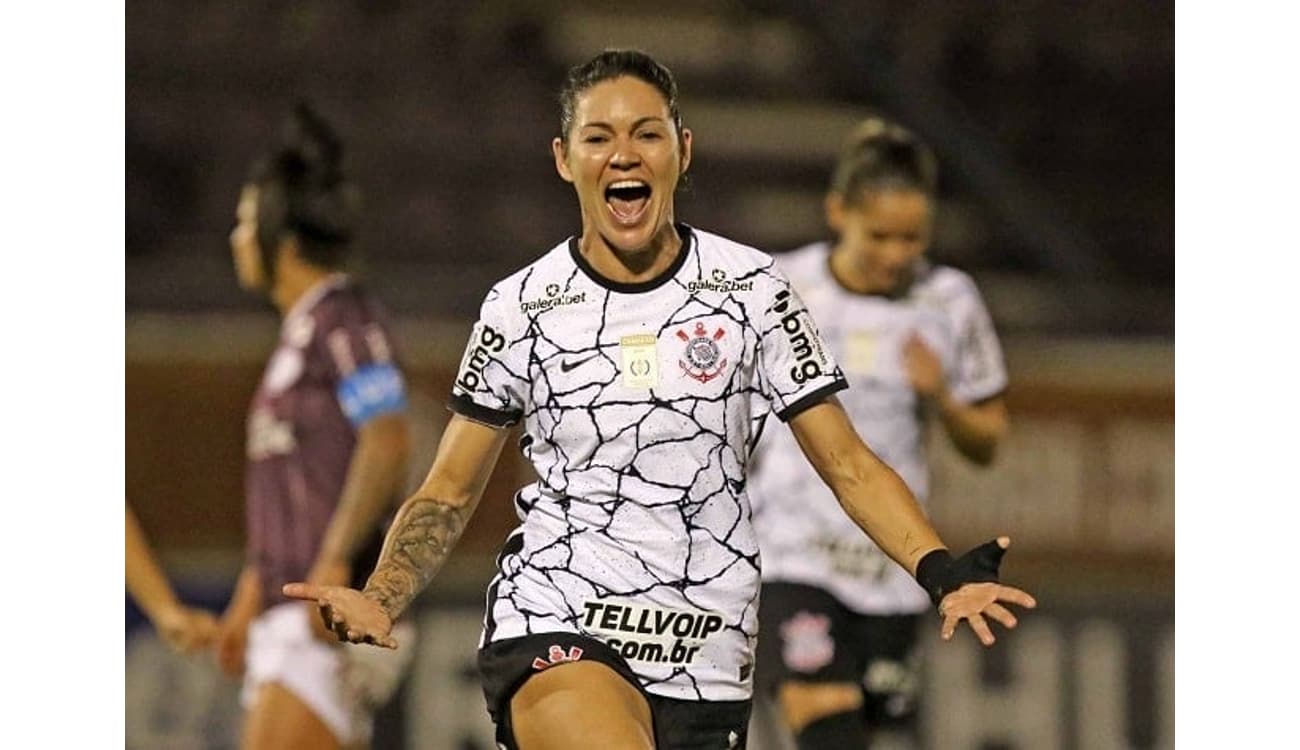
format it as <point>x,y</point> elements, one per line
<point>913,339</point>
<point>183,628</point>
<point>625,610</point>
<point>326,451</point>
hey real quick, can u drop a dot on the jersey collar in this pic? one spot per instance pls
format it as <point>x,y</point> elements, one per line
<point>688,239</point>
<point>313,295</point>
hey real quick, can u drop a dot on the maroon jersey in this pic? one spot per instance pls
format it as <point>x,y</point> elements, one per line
<point>332,371</point>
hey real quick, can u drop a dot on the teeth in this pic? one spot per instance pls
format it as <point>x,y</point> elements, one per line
<point>626,184</point>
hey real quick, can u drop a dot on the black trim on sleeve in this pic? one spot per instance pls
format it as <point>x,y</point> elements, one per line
<point>465,407</point>
<point>812,399</point>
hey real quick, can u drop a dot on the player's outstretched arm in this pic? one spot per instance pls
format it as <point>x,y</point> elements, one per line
<point>183,628</point>
<point>880,503</point>
<point>375,474</point>
<point>422,536</point>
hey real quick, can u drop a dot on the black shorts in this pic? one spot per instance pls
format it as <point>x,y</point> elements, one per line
<point>806,635</point>
<point>505,665</point>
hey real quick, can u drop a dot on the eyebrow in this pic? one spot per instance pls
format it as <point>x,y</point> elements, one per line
<point>635,125</point>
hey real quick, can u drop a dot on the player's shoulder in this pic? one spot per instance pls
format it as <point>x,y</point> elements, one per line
<point>945,285</point>
<point>805,264</point>
<point>344,299</point>
<point>719,251</point>
<point>556,263</point>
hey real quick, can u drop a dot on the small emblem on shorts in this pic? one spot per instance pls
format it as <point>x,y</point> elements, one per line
<point>556,655</point>
<point>703,360</point>
<point>806,643</point>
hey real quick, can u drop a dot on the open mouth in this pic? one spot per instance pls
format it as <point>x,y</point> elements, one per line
<point>627,200</point>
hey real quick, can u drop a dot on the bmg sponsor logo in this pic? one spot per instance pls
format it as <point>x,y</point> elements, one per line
<point>481,350</point>
<point>807,350</point>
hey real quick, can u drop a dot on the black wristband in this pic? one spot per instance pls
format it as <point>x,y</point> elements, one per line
<point>940,575</point>
<point>932,573</point>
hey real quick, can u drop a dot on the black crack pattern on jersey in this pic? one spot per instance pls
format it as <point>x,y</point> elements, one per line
<point>675,459</point>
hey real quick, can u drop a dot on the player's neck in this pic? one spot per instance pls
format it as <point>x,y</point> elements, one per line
<point>292,281</point>
<point>853,276</point>
<point>635,266</point>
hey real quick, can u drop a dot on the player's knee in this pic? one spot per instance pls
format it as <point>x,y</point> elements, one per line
<point>803,703</point>
<point>583,704</point>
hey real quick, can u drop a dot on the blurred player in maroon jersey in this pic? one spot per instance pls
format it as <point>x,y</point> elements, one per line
<point>327,446</point>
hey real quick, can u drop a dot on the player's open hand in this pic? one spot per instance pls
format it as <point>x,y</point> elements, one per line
<point>186,630</point>
<point>924,369</point>
<point>325,573</point>
<point>352,616</point>
<point>975,601</point>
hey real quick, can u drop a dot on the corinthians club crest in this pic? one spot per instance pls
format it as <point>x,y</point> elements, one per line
<point>703,358</point>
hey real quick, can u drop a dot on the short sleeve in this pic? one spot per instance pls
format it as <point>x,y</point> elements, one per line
<point>797,369</point>
<point>979,372</point>
<point>490,386</point>
<point>368,381</point>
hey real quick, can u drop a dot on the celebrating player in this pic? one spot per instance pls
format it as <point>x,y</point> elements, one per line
<point>838,616</point>
<point>183,628</point>
<point>326,451</point>
<point>625,610</point>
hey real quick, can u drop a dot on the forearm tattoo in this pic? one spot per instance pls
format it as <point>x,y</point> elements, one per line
<point>422,537</point>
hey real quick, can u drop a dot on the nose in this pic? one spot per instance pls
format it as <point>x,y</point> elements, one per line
<point>625,156</point>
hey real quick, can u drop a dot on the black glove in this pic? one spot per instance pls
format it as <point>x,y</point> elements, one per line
<point>940,575</point>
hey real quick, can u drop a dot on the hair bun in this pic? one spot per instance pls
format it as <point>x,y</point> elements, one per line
<point>310,149</point>
<point>877,132</point>
<point>880,152</point>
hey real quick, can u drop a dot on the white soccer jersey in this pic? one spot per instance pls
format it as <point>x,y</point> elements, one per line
<point>805,535</point>
<point>636,401</point>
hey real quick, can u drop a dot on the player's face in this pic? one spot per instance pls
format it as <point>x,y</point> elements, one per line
<point>243,242</point>
<point>885,233</point>
<point>624,157</point>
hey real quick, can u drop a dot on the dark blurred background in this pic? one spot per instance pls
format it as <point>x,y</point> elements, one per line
<point>1053,123</point>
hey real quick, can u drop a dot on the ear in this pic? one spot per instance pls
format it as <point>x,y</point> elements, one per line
<point>560,151</point>
<point>834,206</point>
<point>686,149</point>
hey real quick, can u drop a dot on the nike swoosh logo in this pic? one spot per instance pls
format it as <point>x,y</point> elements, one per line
<point>569,366</point>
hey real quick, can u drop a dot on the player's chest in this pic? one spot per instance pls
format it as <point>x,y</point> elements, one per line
<point>293,382</point>
<point>869,336</point>
<point>637,350</point>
